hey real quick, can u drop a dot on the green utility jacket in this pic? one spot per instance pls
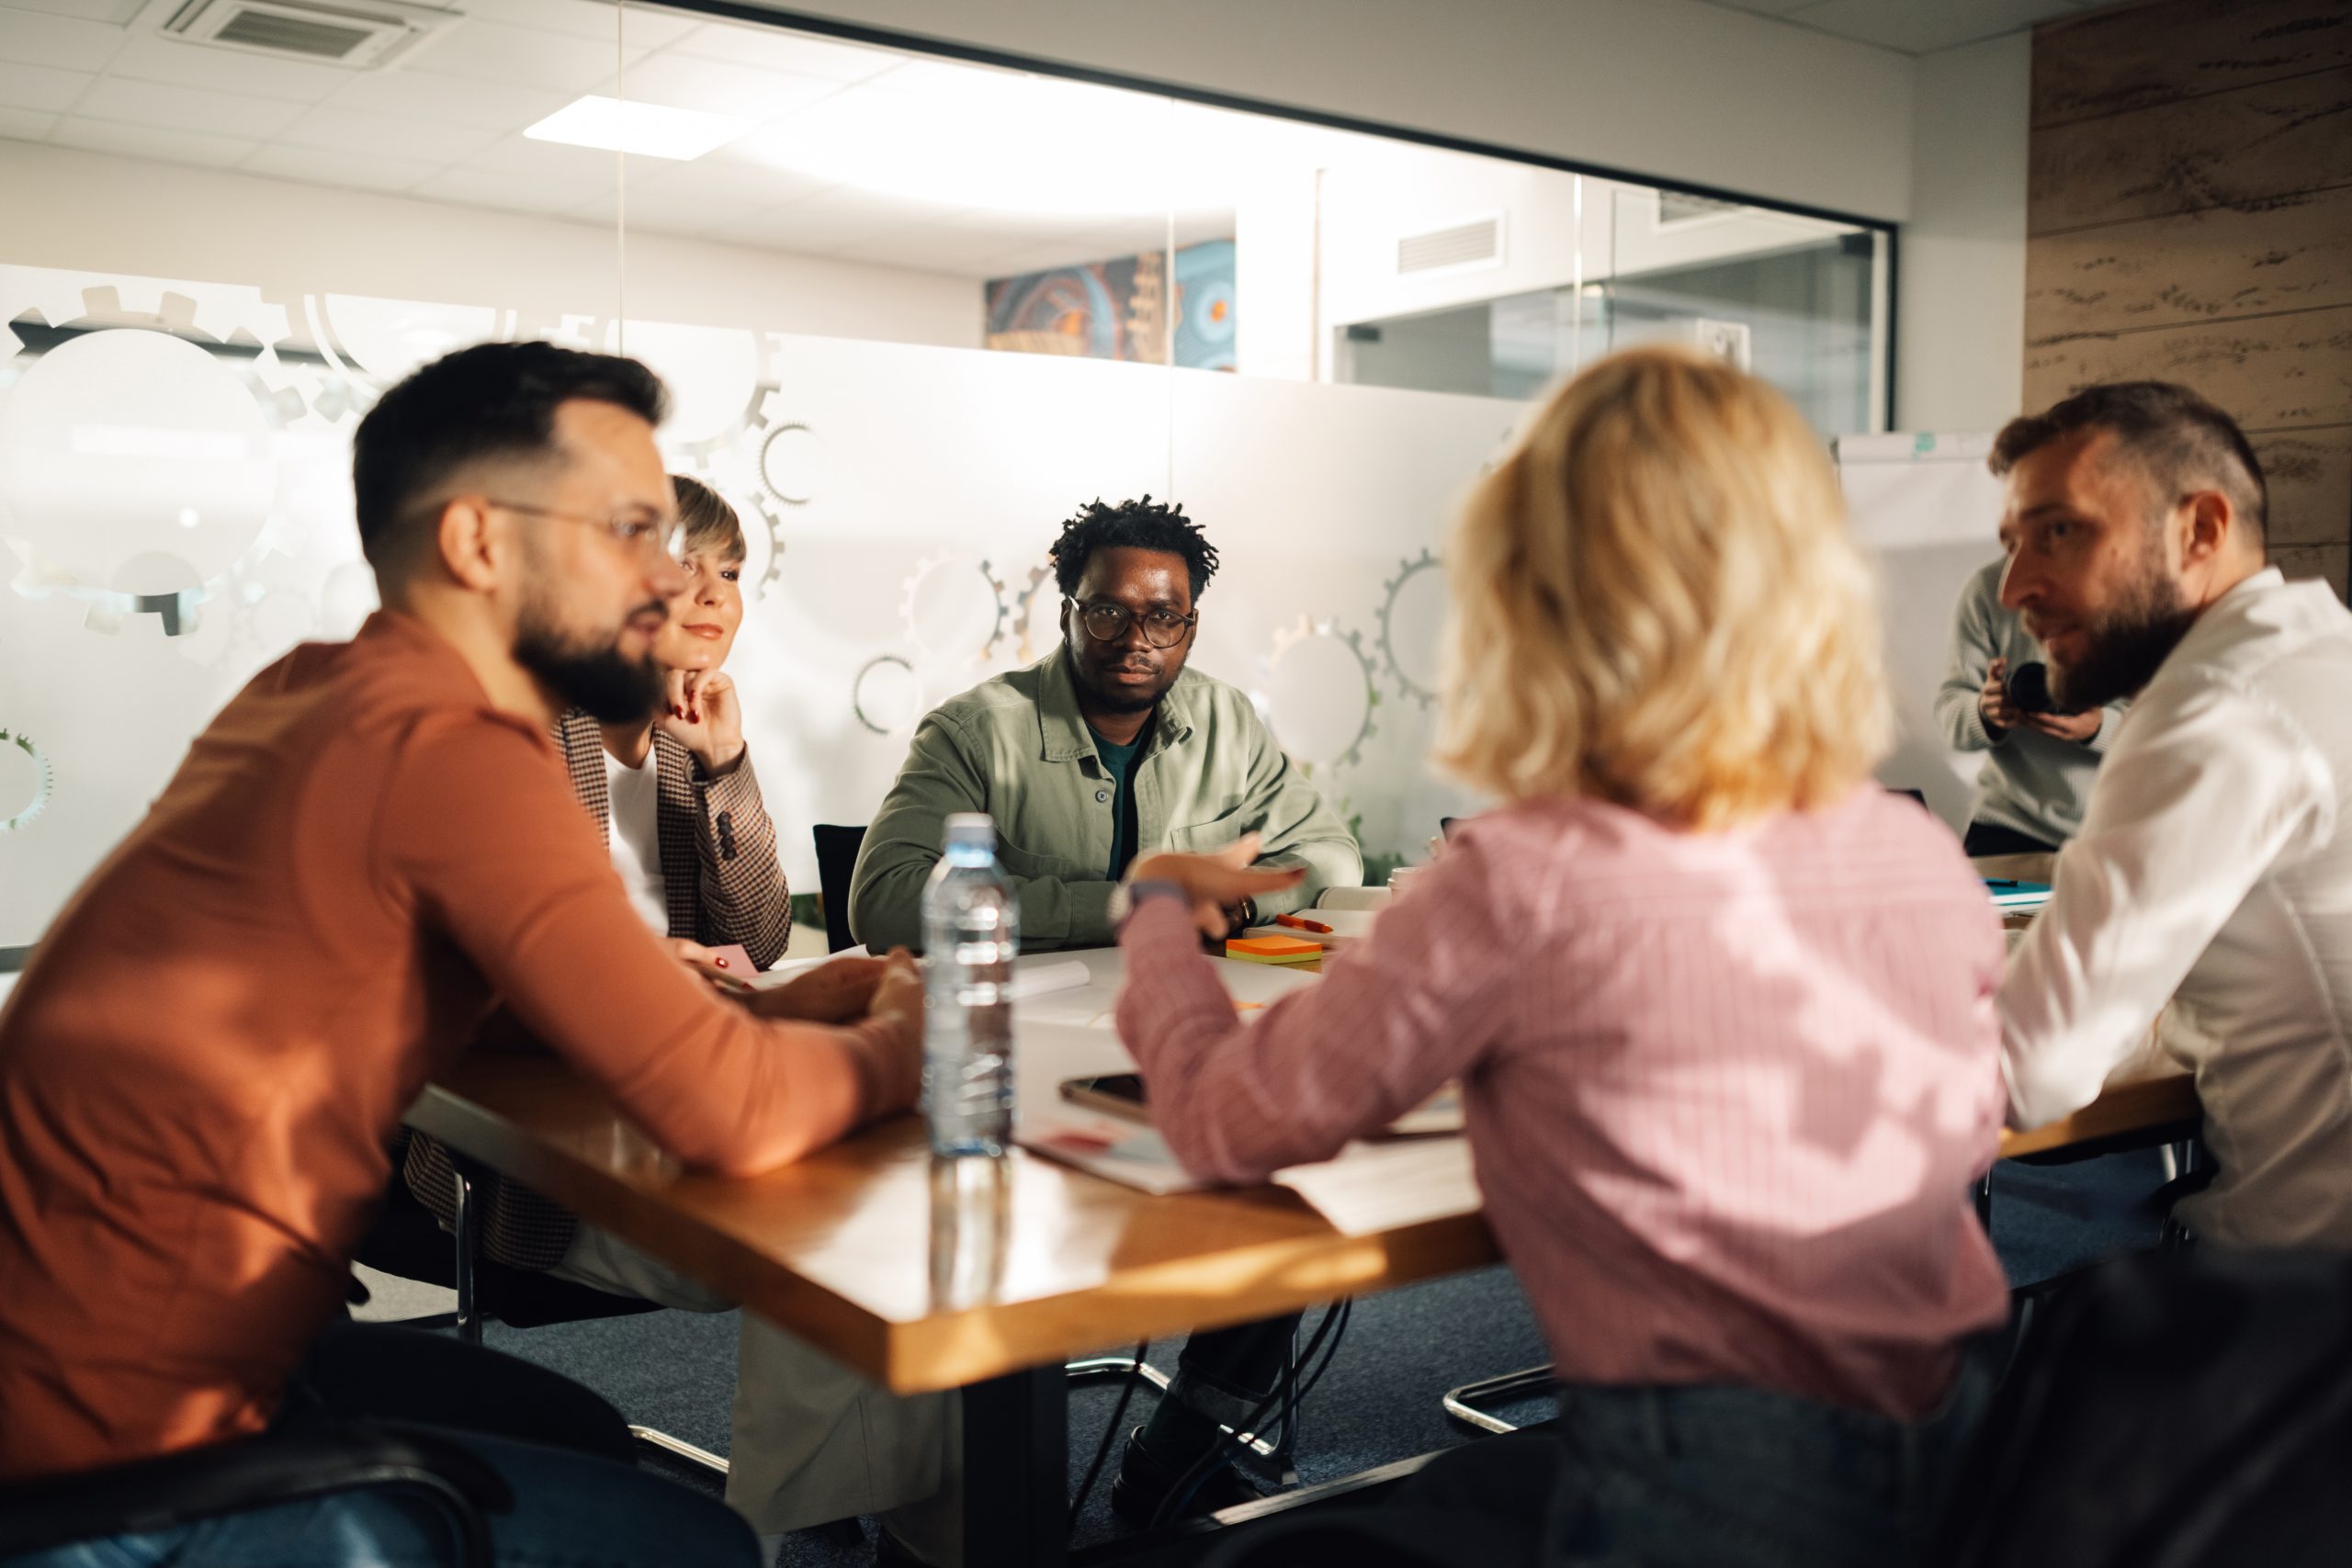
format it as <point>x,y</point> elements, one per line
<point>1016,748</point>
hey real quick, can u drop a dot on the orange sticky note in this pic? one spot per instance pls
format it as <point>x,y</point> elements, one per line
<point>1271,946</point>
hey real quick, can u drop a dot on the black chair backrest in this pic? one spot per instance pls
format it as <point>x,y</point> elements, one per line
<point>2177,1409</point>
<point>407,1243</point>
<point>836,858</point>
<point>317,1459</point>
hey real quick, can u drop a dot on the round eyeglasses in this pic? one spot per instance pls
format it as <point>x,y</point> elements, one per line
<point>1109,623</point>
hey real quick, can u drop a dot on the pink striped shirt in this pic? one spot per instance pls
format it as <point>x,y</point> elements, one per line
<point>1726,1092</point>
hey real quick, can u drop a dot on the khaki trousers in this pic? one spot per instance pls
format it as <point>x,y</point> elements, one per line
<point>812,1440</point>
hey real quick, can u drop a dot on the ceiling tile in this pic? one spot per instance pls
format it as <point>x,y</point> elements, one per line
<point>152,59</point>
<point>41,89</point>
<point>191,108</point>
<point>24,125</point>
<point>587,19</point>
<point>746,92</point>
<point>775,48</point>
<point>410,95</point>
<point>510,193</point>
<point>313,165</point>
<point>117,11</point>
<point>422,140</point>
<point>585,169</point>
<point>489,51</point>
<point>70,43</point>
<point>171,146</point>
<point>1915,28</point>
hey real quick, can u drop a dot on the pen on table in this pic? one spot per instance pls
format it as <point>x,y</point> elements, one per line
<point>1296,924</point>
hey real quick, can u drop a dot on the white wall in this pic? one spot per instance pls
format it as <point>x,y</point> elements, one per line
<point>100,213</point>
<point>1960,344</point>
<point>1672,89</point>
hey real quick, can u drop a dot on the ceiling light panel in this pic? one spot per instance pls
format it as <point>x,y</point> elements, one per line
<point>649,131</point>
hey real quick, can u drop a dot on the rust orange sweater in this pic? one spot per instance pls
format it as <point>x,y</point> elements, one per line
<point>201,1067</point>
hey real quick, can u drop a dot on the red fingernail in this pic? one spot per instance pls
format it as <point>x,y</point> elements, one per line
<point>722,964</point>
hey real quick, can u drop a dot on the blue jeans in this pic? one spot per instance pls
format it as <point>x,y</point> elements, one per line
<point>1731,1476</point>
<point>1665,1477</point>
<point>573,1510</point>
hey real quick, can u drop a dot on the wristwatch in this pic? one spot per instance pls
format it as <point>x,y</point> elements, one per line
<point>1127,896</point>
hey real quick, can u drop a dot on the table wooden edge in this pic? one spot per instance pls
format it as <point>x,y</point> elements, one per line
<point>2140,1105</point>
<point>951,1349</point>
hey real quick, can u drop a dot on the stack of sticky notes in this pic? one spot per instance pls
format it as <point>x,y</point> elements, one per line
<point>1273,949</point>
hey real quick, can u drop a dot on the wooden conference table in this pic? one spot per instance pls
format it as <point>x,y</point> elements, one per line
<point>988,1276</point>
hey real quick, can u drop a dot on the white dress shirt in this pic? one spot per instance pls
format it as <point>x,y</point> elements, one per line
<point>2214,871</point>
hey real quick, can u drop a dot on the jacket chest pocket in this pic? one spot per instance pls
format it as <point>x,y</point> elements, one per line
<point>1021,863</point>
<point>1216,824</point>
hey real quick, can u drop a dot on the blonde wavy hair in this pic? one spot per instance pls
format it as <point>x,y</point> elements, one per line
<point>1657,602</point>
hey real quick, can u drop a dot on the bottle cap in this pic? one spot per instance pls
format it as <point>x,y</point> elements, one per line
<point>975,828</point>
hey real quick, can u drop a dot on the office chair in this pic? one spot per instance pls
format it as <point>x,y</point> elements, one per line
<point>247,1473</point>
<point>2183,1147</point>
<point>409,1242</point>
<point>836,858</point>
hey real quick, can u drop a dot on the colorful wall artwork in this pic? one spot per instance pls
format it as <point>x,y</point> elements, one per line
<point>1120,309</point>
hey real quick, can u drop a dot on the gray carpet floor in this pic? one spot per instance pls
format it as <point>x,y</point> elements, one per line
<point>676,1370</point>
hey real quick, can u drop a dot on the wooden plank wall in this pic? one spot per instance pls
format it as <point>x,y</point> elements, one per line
<point>2188,218</point>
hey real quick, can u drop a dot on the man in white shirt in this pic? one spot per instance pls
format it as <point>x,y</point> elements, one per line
<point>2214,871</point>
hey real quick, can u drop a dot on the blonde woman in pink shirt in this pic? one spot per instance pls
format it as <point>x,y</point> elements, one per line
<point>1721,1008</point>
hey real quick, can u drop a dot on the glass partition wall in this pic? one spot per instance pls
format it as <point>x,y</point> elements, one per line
<point>915,311</point>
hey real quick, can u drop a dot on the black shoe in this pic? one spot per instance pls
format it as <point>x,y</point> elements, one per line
<point>1145,1480</point>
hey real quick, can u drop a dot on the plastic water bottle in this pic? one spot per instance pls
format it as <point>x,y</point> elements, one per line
<point>971,932</point>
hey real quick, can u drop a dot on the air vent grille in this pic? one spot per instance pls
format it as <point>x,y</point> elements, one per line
<point>1462,245</point>
<point>356,34</point>
<point>292,35</point>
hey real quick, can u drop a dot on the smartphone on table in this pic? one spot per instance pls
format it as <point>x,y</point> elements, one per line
<point>1116,1094</point>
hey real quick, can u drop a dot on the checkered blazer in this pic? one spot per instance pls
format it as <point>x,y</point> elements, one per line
<point>722,883</point>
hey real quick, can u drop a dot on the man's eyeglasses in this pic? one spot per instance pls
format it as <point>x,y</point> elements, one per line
<point>640,532</point>
<point>1108,623</point>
